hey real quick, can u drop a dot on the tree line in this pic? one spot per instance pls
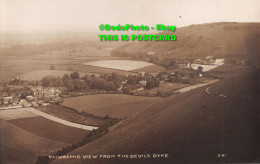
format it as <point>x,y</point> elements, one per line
<point>107,82</point>
<point>73,81</point>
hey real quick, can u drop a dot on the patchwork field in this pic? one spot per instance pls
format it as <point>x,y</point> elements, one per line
<point>28,68</point>
<point>39,74</point>
<point>48,129</point>
<point>74,117</point>
<point>10,68</point>
<point>164,88</point>
<point>126,65</point>
<point>15,114</point>
<point>123,110</point>
<point>118,106</point>
<point>40,126</point>
<point>194,123</point>
<point>26,135</point>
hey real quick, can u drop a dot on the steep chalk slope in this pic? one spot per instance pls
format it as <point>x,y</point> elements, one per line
<point>192,127</point>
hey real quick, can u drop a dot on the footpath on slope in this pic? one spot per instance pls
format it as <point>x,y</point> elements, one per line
<point>188,88</point>
<point>20,111</point>
<point>50,117</point>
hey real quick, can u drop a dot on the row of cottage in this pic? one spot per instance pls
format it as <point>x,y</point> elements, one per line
<point>39,96</point>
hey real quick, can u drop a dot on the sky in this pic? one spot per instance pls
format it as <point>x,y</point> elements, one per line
<point>86,15</point>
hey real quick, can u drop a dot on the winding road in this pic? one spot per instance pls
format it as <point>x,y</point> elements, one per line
<point>208,92</point>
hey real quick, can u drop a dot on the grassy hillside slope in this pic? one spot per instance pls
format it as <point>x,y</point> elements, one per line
<point>40,126</point>
<point>217,39</point>
<point>114,105</point>
<point>193,127</point>
<point>18,145</point>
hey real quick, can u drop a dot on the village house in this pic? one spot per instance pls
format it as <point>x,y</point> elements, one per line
<point>29,98</point>
<point>37,91</point>
<point>151,53</point>
<point>23,102</point>
<point>164,77</point>
<point>143,82</point>
<point>138,90</point>
<point>141,74</point>
<point>6,100</point>
<point>34,104</point>
<point>45,104</point>
<point>46,93</point>
<point>40,102</point>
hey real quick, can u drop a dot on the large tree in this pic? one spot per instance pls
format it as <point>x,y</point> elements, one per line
<point>75,75</point>
<point>200,68</point>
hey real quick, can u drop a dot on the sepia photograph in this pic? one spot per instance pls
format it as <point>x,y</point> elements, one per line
<point>129,81</point>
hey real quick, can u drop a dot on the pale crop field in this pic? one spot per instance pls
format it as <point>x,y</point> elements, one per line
<point>126,65</point>
<point>16,114</point>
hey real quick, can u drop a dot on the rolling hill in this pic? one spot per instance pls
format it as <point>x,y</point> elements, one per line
<point>118,106</point>
<point>40,126</point>
<point>192,127</point>
<point>194,41</point>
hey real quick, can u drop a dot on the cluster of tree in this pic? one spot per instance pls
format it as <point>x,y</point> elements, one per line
<point>106,82</point>
<point>101,84</point>
<point>179,77</point>
<point>15,81</point>
<point>52,81</point>
<point>154,59</point>
<point>133,82</point>
<point>23,93</point>
<point>114,77</point>
<point>18,81</point>
<point>200,68</point>
<point>73,82</point>
<point>152,82</point>
<point>168,63</point>
<point>133,79</point>
<point>16,92</point>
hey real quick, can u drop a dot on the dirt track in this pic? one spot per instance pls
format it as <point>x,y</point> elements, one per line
<point>185,89</point>
<point>30,112</point>
<point>208,92</point>
<point>50,117</point>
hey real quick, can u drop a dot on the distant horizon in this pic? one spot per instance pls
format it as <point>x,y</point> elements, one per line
<point>48,16</point>
<point>96,32</point>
